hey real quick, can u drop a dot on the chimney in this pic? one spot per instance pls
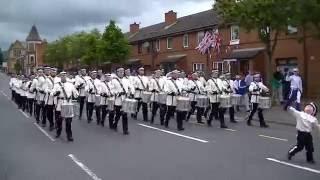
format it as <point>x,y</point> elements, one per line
<point>134,27</point>
<point>170,17</point>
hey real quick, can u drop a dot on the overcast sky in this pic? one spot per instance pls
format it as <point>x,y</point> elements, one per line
<point>55,18</point>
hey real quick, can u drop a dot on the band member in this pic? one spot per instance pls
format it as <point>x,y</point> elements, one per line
<point>121,90</point>
<point>40,97</point>
<point>306,120</point>
<point>106,87</point>
<point>30,95</point>
<point>24,91</point>
<point>13,79</point>
<point>195,88</point>
<point>256,89</point>
<point>156,86</point>
<point>33,90</point>
<point>65,91</point>
<point>141,84</point>
<point>296,89</point>
<point>174,88</point>
<point>93,89</point>
<point>241,89</point>
<point>80,83</point>
<point>214,91</point>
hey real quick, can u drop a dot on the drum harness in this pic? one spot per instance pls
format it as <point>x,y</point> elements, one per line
<point>215,83</point>
<point>50,78</point>
<point>194,98</point>
<point>141,83</point>
<point>83,80</point>
<point>175,85</point>
<point>256,89</point>
<point>121,85</point>
<point>64,94</point>
<point>108,90</point>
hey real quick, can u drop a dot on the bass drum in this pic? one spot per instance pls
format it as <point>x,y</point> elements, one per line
<point>130,106</point>
<point>235,99</point>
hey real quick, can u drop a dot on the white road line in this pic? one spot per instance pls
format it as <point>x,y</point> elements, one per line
<point>4,94</point>
<point>270,137</point>
<point>26,115</point>
<point>84,167</point>
<point>173,133</point>
<point>295,166</point>
<point>44,132</point>
<point>232,130</point>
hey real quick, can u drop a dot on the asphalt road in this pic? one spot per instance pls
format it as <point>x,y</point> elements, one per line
<point>149,153</point>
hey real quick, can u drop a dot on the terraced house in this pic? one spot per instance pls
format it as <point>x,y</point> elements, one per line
<point>172,44</point>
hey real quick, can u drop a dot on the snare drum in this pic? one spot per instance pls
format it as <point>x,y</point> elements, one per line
<point>130,106</point>
<point>67,110</point>
<point>264,102</point>
<point>97,100</point>
<point>202,101</point>
<point>235,99</point>
<point>183,104</point>
<point>110,103</point>
<point>162,98</point>
<point>225,101</point>
<point>146,96</point>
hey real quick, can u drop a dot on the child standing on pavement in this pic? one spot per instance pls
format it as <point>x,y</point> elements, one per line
<point>306,120</point>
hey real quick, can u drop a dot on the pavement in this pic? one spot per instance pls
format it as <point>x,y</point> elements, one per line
<point>150,152</point>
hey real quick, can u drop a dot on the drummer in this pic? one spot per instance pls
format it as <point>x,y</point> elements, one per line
<point>156,86</point>
<point>105,95</point>
<point>141,84</point>
<point>80,83</point>
<point>121,89</point>
<point>65,91</point>
<point>228,89</point>
<point>256,88</point>
<point>195,87</point>
<point>93,89</point>
<point>174,88</point>
<point>214,91</point>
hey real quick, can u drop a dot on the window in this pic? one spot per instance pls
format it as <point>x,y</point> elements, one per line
<point>200,36</point>
<point>185,40</point>
<point>292,30</point>
<point>235,30</point>
<point>219,66</point>
<point>169,43</point>
<point>198,67</point>
<point>139,48</point>
<point>158,45</point>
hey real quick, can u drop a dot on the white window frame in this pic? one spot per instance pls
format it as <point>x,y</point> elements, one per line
<point>200,36</point>
<point>158,45</point>
<point>198,67</point>
<point>292,29</point>
<point>234,40</point>
<point>168,43</point>
<point>185,41</point>
<point>217,64</point>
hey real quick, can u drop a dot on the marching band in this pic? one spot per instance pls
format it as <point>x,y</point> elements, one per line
<point>50,97</point>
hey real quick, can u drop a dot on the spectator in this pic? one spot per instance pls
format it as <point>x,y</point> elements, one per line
<point>277,88</point>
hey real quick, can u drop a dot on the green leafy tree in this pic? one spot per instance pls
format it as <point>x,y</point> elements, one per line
<point>114,46</point>
<point>1,57</point>
<point>269,18</point>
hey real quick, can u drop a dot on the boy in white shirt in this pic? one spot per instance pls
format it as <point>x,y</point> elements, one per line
<point>306,120</point>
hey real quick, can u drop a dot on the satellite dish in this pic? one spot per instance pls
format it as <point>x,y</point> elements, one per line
<point>146,44</point>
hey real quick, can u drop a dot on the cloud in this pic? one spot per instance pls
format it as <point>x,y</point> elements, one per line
<point>56,18</point>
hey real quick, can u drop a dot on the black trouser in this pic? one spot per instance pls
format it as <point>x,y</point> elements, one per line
<point>12,95</point>
<point>222,111</point>
<point>30,106</point>
<point>200,111</point>
<point>44,114</point>
<point>207,111</point>
<point>59,125</point>
<point>144,109</point>
<point>180,117</point>
<point>90,106</point>
<point>104,110</point>
<point>155,107</point>
<point>163,111</point>
<point>255,108</point>
<point>214,112</point>
<point>120,113</point>
<point>39,110</point>
<point>49,111</point>
<point>304,140</point>
<point>81,102</point>
<point>98,113</point>
<point>111,119</point>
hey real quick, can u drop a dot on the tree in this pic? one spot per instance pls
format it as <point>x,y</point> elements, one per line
<point>114,46</point>
<point>1,57</point>
<point>267,17</point>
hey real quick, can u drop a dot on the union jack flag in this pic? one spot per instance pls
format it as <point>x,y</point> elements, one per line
<point>210,40</point>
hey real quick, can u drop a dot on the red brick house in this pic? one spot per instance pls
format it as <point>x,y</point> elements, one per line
<point>171,44</point>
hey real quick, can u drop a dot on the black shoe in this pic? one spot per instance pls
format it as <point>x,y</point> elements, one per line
<point>70,139</point>
<point>180,129</point>
<point>89,121</point>
<point>126,133</point>
<point>209,123</point>
<point>79,119</point>
<point>233,121</point>
<point>58,135</point>
<point>264,126</point>
<point>223,126</point>
<point>51,128</point>
<point>311,162</point>
<point>161,123</point>
<point>249,123</point>
<point>200,122</point>
<point>289,156</point>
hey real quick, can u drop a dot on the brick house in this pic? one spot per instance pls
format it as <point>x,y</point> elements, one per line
<point>171,44</point>
<point>30,54</point>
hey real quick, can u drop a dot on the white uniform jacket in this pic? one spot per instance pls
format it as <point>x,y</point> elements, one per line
<point>213,89</point>
<point>227,87</point>
<point>173,88</point>
<point>140,84</point>
<point>70,92</point>
<point>41,88</point>
<point>80,84</point>
<point>105,92</point>
<point>11,82</point>
<point>195,87</point>
<point>33,87</point>
<point>156,86</point>
<point>120,89</point>
<point>30,95</point>
<point>255,89</point>
<point>93,89</point>
<point>48,87</point>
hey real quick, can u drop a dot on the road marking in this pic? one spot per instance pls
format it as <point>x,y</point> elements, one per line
<point>173,133</point>
<point>84,167</point>
<point>44,132</point>
<point>232,130</point>
<point>5,94</point>
<point>270,137</point>
<point>26,115</point>
<point>295,166</point>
